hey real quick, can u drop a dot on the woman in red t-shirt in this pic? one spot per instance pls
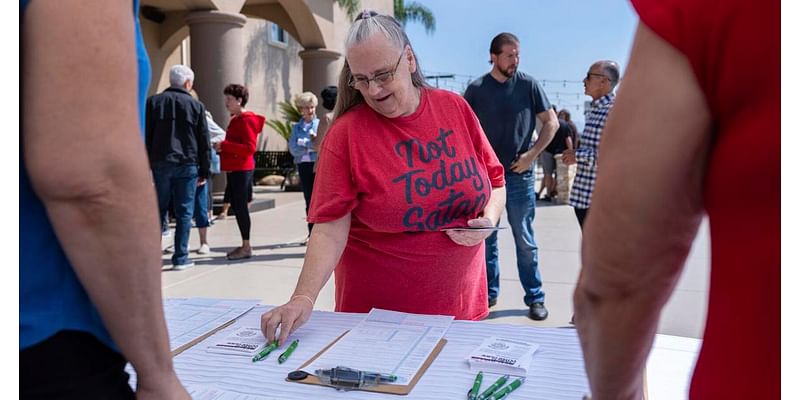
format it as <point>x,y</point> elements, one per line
<point>401,163</point>
<point>236,158</point>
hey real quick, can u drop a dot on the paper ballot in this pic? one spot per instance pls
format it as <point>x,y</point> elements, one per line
<point>502,356</point>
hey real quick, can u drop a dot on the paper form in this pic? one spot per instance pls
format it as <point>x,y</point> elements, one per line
<point>189,319</point>
<point>387,342</point>
<point>207,393</point>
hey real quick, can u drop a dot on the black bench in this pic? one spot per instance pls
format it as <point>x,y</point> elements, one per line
<point>276,163</point>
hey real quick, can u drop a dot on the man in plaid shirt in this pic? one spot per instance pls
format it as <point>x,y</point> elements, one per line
<point>599,83</point>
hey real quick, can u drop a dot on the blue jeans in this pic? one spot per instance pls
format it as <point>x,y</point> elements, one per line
<point>179,182</point>
<point>521,208</point>
<point>201,205</point>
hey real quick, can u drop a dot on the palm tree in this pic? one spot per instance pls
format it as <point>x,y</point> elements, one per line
<point>351,7</point>
<point>414,12</point>
<point>404,13</point>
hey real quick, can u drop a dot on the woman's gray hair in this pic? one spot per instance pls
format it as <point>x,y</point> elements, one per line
<point>305,99</point>
<point>179,74</point>
<point>368,24</point>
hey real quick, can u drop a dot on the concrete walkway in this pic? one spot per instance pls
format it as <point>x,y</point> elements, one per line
<point>271,274</point>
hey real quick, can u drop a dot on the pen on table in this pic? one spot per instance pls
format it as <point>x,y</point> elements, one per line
<point>288,351</point>
<point>476,387</point>
<point>265,351</point>
<point>506,390</point>
<point>496,385</point>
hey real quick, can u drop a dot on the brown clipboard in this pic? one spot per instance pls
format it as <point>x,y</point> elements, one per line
<point>390,389</point>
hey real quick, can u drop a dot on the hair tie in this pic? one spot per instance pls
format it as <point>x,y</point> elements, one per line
<point>366,14</point>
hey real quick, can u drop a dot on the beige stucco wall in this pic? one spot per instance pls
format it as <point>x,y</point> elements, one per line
<point>273,72</point>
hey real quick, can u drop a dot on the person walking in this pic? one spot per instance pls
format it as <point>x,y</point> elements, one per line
<point>599,84</point>
<point>176,136</point>
<point>508,102</point>
<point>236,157</point>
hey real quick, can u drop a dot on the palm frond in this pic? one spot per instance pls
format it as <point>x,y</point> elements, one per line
<point>351,7</point>
<point>414,12</point>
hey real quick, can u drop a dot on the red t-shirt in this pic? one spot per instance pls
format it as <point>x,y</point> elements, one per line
<point>240,142</point>
<point>733,47</point>
<point>403,179</point>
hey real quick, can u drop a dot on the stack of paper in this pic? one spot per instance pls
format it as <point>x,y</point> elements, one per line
<point>502,356</point>
<point>244,341</point>
<point>386,342</point>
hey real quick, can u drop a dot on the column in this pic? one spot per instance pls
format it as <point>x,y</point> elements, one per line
<point>217,57</point>
<point>321,67</point>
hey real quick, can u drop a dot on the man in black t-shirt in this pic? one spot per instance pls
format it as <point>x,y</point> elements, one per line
<point>547,158</point>
<point>507,103</point>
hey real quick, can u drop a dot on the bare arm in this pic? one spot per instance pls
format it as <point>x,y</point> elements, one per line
<point>87,163</point>
<point>635,243</point>
<point>549,127</point>
<point>324,250</point>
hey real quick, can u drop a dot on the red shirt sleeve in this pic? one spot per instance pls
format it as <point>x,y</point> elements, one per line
<point>334,187</point>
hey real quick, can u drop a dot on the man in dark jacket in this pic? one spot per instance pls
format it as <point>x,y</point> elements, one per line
<point>176,134</point>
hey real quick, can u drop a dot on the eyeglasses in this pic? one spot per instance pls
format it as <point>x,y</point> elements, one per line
<point>589,76</point>
<point>383,78</point>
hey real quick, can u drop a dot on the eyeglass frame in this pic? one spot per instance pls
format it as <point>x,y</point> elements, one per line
<point>380,79</point>
<point>589,76</point>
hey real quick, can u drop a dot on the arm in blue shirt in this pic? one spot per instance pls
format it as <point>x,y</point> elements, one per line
<point>294,148</point>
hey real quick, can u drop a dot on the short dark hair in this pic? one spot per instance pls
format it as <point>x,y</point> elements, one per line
<point>238,91</point>
<point>329,97</point>
<point>501,40</point>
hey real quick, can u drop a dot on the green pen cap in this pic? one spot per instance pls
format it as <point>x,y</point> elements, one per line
<point>265,351</point>
<point>288,352</point>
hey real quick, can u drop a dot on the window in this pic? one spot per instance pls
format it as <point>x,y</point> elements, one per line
<point>278,35</point>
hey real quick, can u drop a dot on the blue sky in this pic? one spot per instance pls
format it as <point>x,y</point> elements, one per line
<point>560,39</point>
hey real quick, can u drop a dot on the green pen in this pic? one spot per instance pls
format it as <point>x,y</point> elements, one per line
<point>265,351</point>
<point>496,385</point>
<point>506,390</point>
<point>288,352</point>
<point>476,387</point>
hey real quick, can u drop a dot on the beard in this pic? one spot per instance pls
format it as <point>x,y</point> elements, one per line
<point>508,72</point>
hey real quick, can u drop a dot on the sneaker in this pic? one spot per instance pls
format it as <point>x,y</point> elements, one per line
<point>538,312</point>
<point>204,249</point>
<point>492,302</point>
<point>169,249</point>
<point>181,267</point>
<point>240,253</point>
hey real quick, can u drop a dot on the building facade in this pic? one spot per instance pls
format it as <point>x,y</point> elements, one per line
<point>277,48</point>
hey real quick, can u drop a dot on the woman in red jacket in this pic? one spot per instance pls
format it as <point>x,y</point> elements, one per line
<point>236,158</point>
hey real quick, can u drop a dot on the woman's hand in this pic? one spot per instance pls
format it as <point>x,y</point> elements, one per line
<point>217,146</point>
<point>289,317</point>
<point>471,238</point>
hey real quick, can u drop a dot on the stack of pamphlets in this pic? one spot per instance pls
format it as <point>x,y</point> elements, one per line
<point>243,341</point>
<point>502,356</point>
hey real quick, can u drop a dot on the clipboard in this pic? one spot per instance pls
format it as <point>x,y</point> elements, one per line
<point>389,389</point>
